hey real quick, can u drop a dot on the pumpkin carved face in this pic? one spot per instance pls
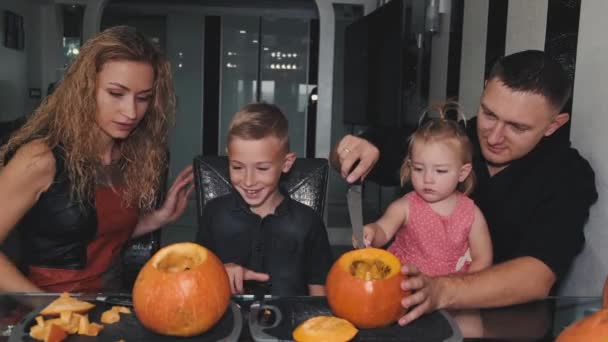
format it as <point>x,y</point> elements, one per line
<point>364,287</point>
<point>182,290</point>
<point>593,328</point>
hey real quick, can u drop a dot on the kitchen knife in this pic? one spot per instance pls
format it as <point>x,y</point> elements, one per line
<point>123,299</point>
<point>355,211</point>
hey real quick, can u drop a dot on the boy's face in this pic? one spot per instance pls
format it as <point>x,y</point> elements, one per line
<point>255,169</point>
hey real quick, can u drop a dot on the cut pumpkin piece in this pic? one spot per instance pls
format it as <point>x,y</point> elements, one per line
<point>122,309</point>
<point>83,325</point>
<point>110,316</point>
<point>54,333</point>
<point>94,329</point>
<point>66,303</point>
<point>325,328</point>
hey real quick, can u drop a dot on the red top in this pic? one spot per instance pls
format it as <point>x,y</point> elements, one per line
<point>437,244</point>
<point>115,225</point>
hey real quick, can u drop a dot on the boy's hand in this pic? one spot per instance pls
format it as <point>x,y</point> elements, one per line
<point>237,274</point>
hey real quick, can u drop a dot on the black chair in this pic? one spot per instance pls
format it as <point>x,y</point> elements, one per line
<point>305,183</point>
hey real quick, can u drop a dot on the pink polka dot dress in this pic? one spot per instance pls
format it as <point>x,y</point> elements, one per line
<point>437,245</point>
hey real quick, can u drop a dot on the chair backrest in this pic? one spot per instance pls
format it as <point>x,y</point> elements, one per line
<point>305,183</point>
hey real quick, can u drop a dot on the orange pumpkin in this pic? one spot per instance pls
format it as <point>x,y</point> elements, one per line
<point>364,287</point>
<point>593,328</point>
<point>324,328</point>
<point>182,290</point>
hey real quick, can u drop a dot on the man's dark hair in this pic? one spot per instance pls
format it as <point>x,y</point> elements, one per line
<point>535,72</point>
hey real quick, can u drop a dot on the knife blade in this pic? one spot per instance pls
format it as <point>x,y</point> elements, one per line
<point>117,298</point>
<point>355,211</point>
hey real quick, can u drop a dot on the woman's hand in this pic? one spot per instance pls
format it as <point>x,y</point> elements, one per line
<point>174,206</point>
<point>177,198</point>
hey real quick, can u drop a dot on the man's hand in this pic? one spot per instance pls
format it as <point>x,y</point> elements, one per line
<point>424,297</point>
<point>350,150</point>
<point>237,274</point>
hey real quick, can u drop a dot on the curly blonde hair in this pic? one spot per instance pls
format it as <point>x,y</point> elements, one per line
<point>64,119</point>
<point>442,129</point>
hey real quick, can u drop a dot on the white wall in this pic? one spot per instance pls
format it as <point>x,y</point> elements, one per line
<point>439,60</point>
<point>473,56</point>
<point>589,136</point>
<point>526,25</point>
<point>33,67</point>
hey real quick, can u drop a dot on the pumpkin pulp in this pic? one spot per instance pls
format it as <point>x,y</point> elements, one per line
<point>172,261</point>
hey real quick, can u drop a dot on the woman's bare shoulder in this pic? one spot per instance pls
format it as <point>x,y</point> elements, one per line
<point>34,159</point>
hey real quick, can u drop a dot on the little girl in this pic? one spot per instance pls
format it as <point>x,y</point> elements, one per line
<point>437,227</point>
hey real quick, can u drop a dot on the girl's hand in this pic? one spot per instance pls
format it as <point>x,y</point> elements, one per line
<point>369,233</point>
<point>177,198</point>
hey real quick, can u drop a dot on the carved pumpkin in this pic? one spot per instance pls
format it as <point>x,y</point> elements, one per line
<point>364,287</point>
<point>324,328</point>
<point>182,290</point>
<point>593,328</point>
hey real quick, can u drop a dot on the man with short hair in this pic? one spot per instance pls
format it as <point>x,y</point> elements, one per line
<point>533,188</point>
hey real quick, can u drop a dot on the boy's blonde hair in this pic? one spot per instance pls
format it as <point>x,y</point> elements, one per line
<point>257,121</point>
<point>444,130</point>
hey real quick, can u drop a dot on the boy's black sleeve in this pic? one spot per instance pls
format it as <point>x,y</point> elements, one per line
<point>203,233</point>
<point>319,258</point>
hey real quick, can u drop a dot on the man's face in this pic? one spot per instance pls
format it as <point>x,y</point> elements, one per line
<point>510,123</point>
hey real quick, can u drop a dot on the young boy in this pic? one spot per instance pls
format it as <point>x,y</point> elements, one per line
<point>260,233</point>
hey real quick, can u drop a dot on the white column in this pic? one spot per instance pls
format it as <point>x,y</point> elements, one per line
<point>526,25</point>
<point>92,17</point>
<point>326,70</point>
<point>473,57</point>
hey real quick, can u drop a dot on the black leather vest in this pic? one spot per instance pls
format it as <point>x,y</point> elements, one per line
<point>55,232</point>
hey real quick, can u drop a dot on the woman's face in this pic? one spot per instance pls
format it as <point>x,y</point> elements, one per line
<point>124,92</point>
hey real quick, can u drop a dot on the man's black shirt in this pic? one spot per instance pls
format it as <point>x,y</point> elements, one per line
<point>290,245</point>
<point>538,205</point>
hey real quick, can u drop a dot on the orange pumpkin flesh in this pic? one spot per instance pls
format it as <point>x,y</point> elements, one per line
<point>324,328</point>
<point>364,287</point>
<point>593,328</point>
<point>182,290</point>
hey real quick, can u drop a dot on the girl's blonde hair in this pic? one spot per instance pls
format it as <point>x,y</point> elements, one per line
<point>442,128</point>
<point>66,120</point>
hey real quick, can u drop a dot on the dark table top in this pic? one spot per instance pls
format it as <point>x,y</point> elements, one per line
<point>536,321</point>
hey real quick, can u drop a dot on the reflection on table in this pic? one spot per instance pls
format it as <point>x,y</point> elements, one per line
<point>537,321</point>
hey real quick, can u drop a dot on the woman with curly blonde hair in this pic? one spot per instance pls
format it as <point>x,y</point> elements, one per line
<point>83,174</point>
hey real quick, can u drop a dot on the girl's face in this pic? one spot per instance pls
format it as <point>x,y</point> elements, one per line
<point>436,169</point>
<point>124,92</point>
